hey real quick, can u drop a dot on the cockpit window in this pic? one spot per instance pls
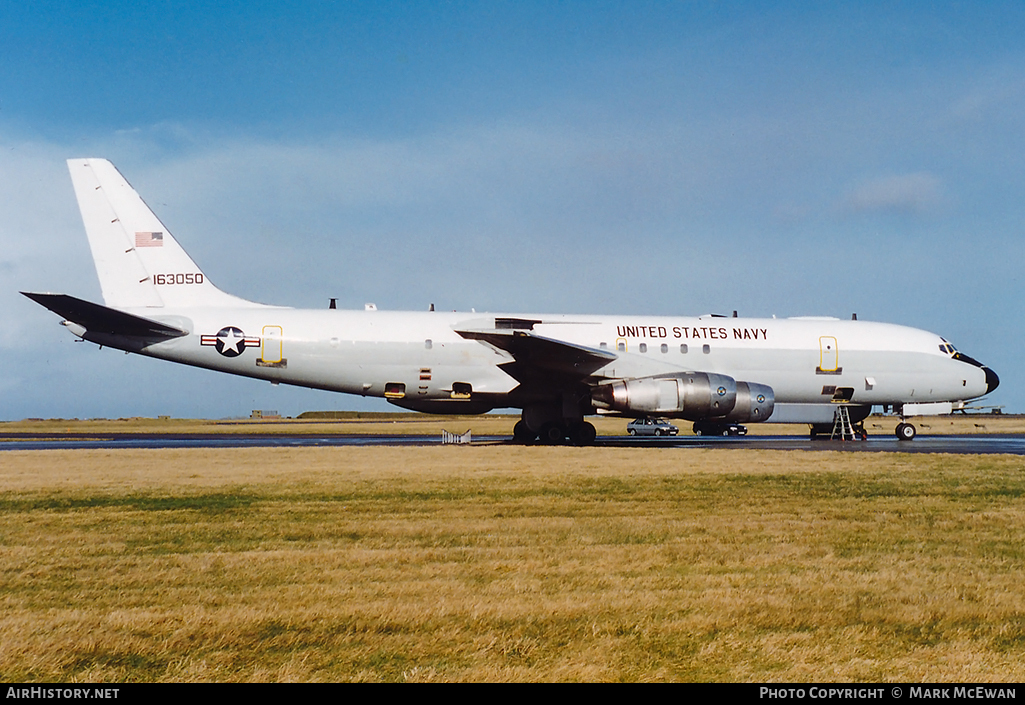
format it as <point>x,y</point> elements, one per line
<point>947,348</point>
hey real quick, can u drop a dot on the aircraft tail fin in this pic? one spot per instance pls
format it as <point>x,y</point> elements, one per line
<point>138,261</point>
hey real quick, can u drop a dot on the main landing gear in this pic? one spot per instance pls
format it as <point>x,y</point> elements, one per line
<point>578,433</point>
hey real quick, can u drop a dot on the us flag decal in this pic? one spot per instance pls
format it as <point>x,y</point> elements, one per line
<point>149,239</point>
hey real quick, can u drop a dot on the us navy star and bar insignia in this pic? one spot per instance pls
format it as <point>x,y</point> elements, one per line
<point>230,341</point>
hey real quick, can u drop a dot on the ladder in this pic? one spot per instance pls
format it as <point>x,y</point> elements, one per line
<point>842,426</point>
<point>447,437</point>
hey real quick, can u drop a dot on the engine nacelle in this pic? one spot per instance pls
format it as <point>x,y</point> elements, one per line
<point>755,403</point>
<point>687,395</point>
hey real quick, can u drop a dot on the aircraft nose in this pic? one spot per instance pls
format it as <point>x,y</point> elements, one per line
<point>992,381</point>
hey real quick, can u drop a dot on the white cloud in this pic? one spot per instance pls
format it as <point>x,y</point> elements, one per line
<point>920,192</point>
<point>42,244</point>
<point>998,95</point>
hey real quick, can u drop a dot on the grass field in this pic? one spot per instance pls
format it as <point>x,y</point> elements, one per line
<point>510,563</point>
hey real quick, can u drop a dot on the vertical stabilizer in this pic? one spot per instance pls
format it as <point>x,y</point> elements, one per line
<point>138,261</point>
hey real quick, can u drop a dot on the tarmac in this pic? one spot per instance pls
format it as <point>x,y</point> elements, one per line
<point>1012,444</point>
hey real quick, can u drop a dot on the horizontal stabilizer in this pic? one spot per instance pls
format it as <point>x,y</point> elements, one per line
<point>100,319</point>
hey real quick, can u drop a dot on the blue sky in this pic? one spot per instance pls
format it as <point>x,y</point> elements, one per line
<point>594,157</point>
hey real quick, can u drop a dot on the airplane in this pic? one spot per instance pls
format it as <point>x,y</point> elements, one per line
<point>557,369</point>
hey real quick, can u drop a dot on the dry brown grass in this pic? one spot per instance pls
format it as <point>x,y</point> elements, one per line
<point>510,563</point>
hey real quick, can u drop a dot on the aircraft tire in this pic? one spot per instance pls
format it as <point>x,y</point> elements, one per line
<point>523,434</point>
<point>582,434</point>
<point>905,431</point>
<point>552,434</point>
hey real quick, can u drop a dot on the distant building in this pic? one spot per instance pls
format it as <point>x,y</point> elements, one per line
<point>264,414</point>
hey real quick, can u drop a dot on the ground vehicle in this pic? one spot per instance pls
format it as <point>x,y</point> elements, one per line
<point>719,428</point>
<point>651,427</point>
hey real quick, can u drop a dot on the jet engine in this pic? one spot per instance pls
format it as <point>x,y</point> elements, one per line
<point>687,395</point>
<point>755,402</point>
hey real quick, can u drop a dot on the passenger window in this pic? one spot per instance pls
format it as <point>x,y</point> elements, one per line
<point>644,347</point>
<point>428,344</point>
<point>603,346</point>
<point>683,348</point>
<point>705,349</point>
<point>621,347</point>
<point>665,348</point>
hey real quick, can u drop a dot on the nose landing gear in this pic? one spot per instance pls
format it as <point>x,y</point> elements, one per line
<point>905,431</point>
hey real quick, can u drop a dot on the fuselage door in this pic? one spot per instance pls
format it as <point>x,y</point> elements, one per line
<point>829,359</point>
<point>270,348</point>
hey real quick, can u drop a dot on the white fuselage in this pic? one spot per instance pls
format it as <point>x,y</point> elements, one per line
<point>361,352</point>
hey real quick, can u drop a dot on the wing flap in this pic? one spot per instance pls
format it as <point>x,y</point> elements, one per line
<point>100,319</point>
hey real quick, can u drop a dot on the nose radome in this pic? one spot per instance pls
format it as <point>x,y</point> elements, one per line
<point>992,381</point>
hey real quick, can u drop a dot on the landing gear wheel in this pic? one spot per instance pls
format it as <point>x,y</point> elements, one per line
<point>552,434</point>
<point>523,434</point>
<point>905,431</point>
<point>582,434</point>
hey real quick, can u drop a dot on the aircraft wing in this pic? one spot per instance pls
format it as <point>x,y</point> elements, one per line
<point>100,319</point>
<point>538,357</point>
